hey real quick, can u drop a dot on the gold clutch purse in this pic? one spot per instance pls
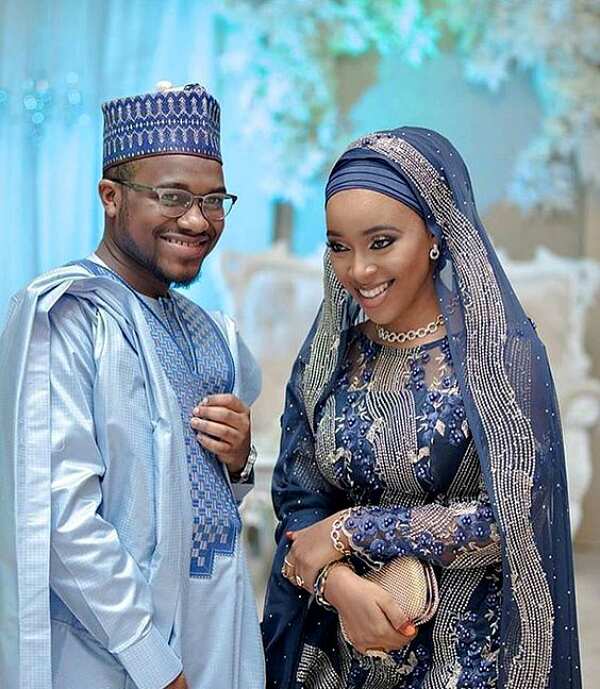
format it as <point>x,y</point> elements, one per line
<point>412,584</point>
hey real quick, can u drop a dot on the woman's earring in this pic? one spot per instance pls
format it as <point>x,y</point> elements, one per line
<point>434,254</point>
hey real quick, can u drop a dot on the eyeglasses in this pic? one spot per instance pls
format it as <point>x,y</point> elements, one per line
<point>177,202</point>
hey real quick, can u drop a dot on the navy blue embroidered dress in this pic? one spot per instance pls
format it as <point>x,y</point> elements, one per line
<point>393,437</point>
<point>451,451</point>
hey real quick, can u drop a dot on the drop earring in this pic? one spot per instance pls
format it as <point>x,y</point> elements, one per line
<point>434,254</point>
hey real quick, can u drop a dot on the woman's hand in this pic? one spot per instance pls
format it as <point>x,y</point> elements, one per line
<point>310,551</point>
<point>371,617</point>
<point>222,423</point>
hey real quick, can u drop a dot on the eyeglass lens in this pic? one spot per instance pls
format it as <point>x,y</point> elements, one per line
<point>176,202</point>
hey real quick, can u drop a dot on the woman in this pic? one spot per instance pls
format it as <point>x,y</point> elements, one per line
<point>422,400</point>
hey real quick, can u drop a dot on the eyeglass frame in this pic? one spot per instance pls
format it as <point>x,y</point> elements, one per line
<point>136,186</point>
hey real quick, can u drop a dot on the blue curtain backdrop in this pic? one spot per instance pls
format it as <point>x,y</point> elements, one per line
<point>58,62</point>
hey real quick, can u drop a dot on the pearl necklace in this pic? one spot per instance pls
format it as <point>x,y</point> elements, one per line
<point>390,336</point>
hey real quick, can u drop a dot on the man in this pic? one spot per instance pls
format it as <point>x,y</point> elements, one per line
<point>125,435</point>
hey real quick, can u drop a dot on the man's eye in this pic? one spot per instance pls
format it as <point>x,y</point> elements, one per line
<point>381,242</point>
<point>213,202</point>
<point>173,198</point>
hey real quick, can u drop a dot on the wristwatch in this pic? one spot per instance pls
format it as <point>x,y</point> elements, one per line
<point>244,475</point>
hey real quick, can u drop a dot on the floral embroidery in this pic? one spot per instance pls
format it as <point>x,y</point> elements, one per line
<point>441,413</point>
<point>438,530</point>
<point>477,640</point>
<point>381,533</point>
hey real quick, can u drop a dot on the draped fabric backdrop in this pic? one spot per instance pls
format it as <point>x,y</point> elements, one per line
<point>58,62</point>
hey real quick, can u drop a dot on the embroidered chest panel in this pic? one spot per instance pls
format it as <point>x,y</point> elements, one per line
<point>197,362</point>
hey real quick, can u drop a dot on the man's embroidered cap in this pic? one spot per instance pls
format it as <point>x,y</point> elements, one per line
<point>171,120</point>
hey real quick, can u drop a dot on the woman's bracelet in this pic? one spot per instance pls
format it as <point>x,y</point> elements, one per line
<point>321,581</point>
<point>337,529</point>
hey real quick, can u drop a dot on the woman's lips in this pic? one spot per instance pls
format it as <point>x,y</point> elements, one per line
<point>373,296</point>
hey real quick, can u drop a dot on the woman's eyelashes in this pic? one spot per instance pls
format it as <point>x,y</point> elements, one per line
<point>376,244</point>
<point>336,247</point>
<point>382,242</point>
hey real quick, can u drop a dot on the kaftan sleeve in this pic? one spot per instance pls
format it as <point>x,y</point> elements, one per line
<point>249,383</point>
<point>90,570</point>
<point>456,534</point>
<point>248,373</point>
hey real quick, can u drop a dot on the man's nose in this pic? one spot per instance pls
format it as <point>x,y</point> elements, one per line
<point>193,220</point>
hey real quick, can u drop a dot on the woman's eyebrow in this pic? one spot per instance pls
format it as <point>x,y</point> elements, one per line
<point>368,232</point>
<point>380,228</point>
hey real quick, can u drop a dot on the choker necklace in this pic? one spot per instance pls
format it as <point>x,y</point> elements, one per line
<point>409,335</point>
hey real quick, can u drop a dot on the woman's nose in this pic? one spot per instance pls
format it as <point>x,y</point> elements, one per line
<point>363,270</point>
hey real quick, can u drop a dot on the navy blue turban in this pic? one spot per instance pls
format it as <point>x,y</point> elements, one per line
<point>360,168</point>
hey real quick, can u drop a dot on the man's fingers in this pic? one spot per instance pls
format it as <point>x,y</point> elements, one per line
<point>220,431</point>
<point>226,416</point>
<point>218,447</point>
<point>224,400</point>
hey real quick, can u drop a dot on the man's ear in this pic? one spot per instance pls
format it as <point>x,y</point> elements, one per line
<point>111,196</point>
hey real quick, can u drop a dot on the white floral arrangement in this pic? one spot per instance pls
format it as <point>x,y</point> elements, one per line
<point>558,42</point>
<point>286,55</point>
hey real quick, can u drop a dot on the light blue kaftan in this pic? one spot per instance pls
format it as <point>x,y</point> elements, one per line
<point>142,542</point>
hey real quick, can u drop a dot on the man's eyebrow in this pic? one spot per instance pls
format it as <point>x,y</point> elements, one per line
<point>168,184</point>
<point>369,231</point>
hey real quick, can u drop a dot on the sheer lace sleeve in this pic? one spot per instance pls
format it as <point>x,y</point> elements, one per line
<point>454,534</point>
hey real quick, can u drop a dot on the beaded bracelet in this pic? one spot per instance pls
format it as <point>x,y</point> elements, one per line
<point>336,532</point>
<point>321,581</point>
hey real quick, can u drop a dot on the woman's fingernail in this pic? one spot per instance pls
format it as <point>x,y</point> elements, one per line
<point>204,400</point>
<point>409,629</point>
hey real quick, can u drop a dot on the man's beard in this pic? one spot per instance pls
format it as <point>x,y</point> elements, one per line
<point>150,263</point>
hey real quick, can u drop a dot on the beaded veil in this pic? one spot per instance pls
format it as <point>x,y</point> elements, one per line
<point>505,381</point>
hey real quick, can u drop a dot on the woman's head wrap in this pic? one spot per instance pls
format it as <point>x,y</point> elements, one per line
<point>361,169</point>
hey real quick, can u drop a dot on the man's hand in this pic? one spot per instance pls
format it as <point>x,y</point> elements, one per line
<point>310,551</point>
<point>178,683</point>
<point>372,619</point>
<point>222,423</point>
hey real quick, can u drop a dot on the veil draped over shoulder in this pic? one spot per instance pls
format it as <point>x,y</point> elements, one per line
<point>507,388</point>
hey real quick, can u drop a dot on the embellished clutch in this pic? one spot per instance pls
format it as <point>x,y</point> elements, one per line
<point>412,584</point>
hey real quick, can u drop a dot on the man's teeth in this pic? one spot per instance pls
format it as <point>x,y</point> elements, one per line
<point>195,242</point>
<point>375,292</point>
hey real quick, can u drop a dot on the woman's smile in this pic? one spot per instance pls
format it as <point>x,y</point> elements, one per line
<point>374,296</point>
